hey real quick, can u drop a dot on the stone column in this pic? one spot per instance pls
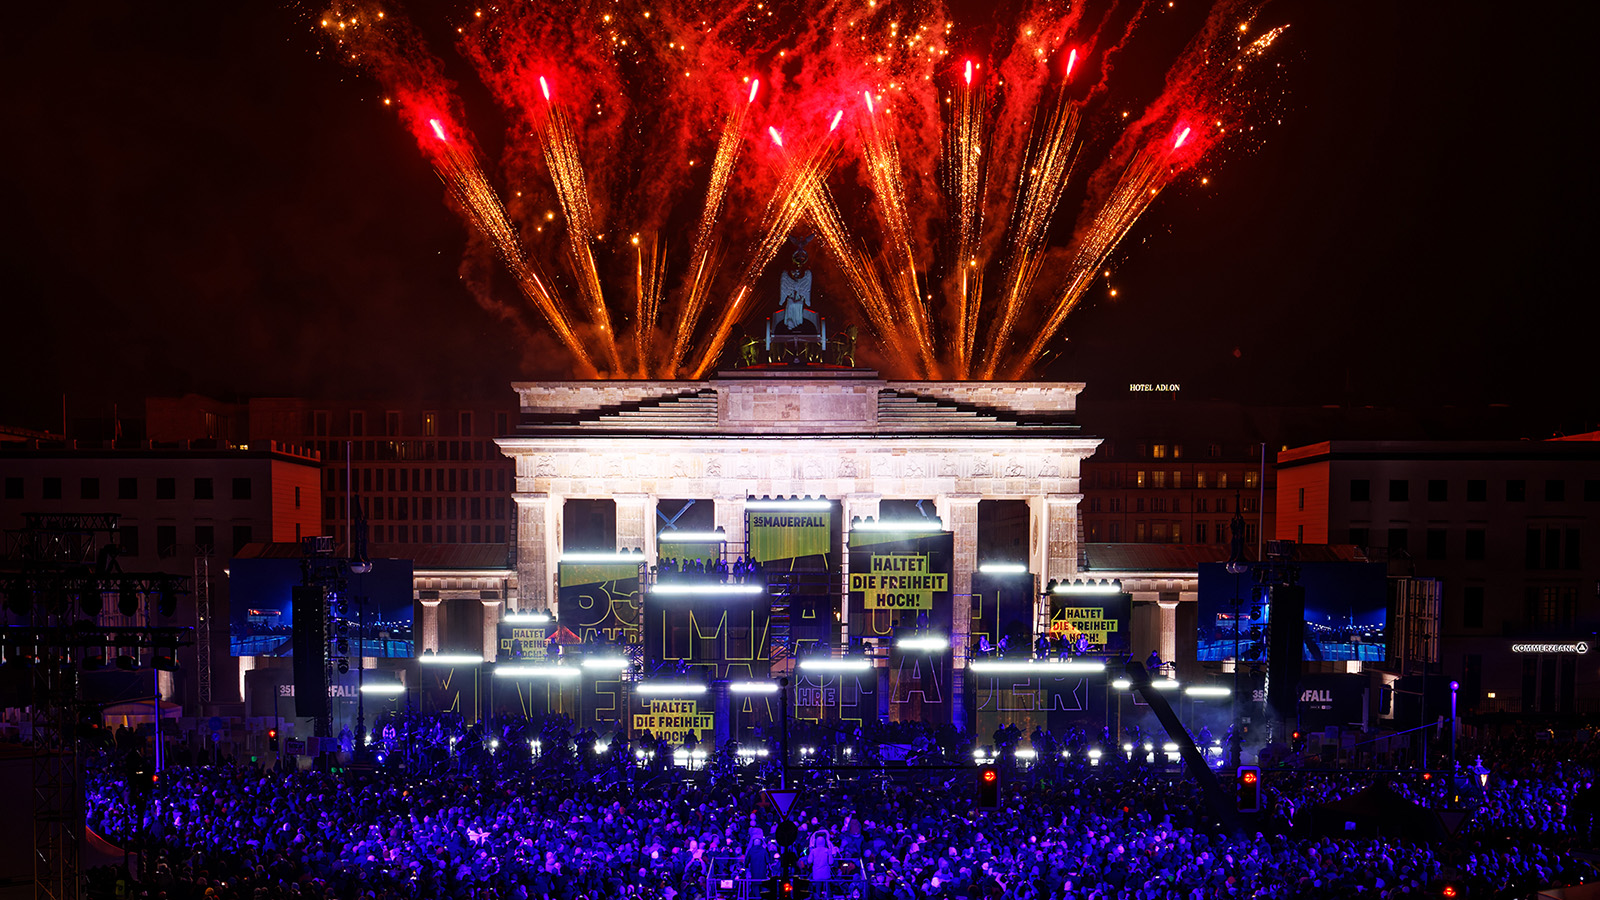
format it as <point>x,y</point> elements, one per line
<point>635,522</point>
<point>1169,630</point>
<point>430,625</point>
<point>491,629</point>
<point>1146,617</point>
<point>1053,539</point>
<point>1183,597</point>
<point>860,506</point>
<point>538,549</point>
<point>960,516</point>
<point>852,506</point>
<point>728,513</point>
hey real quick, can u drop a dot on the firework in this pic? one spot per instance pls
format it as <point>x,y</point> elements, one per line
<point>938,200</point>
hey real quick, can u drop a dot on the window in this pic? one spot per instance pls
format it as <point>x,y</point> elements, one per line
<point>1199,532</point>
<point>297,497</point>
<point>1159,451</point>
<point>1252,478</point>
<point>1116,532</point>
<point>1222,481</point>
<point>1177,451</point>
<point>466,424</point>
<point>1436,543</point>
<point>241,536</point>
<point>166,541</point>
<point>1555,490</point>
<point>127,488</point>
<point>430,424</point>
<point>1300,534</point>
<point>1177,532</point>
<point>1138,532</point>
<point>1215,450</point>
<point>1177,479</point>
<point>1572,548</point>
<point>203,489</point>
<point>1552,548</point>
<point>1200,505</point>
<point>1516,490</point>
<point>89,488</point>
<point>1472,606</point>
<point>1551,605</point>
<point>1222,504</point>
<point>391,423</point>
<point>1530,558</point>
<point>499,534</point>
<point>1591,490</point>
<point>1200,480</point>
<point>1399,490</point>
<point>1438,490</point>
<point>205,540</point>
<point>1477,541</point>
<point>1138,478</point>
<point>1158,504</point>
<point>1360,490</point>
<point>501,427</point>
<point>128,537</point>
<point>13,488</point>
<point>1158,479</point>
<point>319,423</point>
<point>1477,490</point>
<point>328,511</point>
<point>166,488</point>
<point>52,489</point>
<point>358,423</point>
<point>1399,540</point>
<point>241,489</point>
<point>1138,504</point>
<point>1358,536</point>
<point>1302,499</point>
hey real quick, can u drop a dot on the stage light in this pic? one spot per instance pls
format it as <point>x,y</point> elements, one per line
<point>1036,667</point>
<point>164,661</point>
<point>383,690</point>
<point>344,667</point>
<point>669,688</point>
<point>692,537</point>
<point>806,505</point>
<point>1165,684</point>
<point>752,687</point>
<point>1026,754</point>
<point>907,526</point>
<point>526,618</point>
<point>928,643</point>
<point>611,663</point>
<point>167,600</point>
<point>1003,568</point>
<point>127,663</point>
<point>450,659</point>
<point>827,664</point>
<point>706,589</point>
<point>1208,690</point>
<point>1087,587</point>
<point>127,599</point>
<point>536,672</point>
<point>1122,684</point>
<point>89,599</point>
<point>589,556</point>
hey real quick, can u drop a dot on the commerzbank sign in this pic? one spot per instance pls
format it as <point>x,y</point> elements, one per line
<point>1551,647</point>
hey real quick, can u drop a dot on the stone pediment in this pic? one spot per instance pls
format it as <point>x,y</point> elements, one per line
<point>835,402</point>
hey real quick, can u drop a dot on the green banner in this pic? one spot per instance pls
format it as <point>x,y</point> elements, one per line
<point>788,535</point>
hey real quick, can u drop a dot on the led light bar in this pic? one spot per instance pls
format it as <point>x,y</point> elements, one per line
<point>930,643</point>
<point>385,690</point>
<point>827,664</point>
<point>1026,754</point>
<point>669,688</point>
<point>705,588</point>
<point>591,556</point>
<point>1122,684</point>
<point>1003,568</point>
<point>788,505</point>
<point>526,618</point>
<point>692,537</point>
<point>536,672</point>
<point>1036,667</point>
<point>450,659</point>
<point>752,687</point>
<point>612,663</point>
<point>1208,690</point>
<point>909,526</point>
<point>1088,587</point>
<point>1165,684</point>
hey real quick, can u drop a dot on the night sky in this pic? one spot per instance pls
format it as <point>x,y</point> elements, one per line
<point>194,201</point>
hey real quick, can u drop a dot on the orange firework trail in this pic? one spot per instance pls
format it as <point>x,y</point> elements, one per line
<point>704,259</point>
<point>882,157</point>
<point>565,163</point>
<point>458,168</point>
<point>964,142</point>
<point>650,276</point>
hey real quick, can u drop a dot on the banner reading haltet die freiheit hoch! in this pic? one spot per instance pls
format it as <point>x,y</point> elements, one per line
<point>898,579</point>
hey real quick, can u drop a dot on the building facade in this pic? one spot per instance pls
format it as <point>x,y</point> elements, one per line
<point>1168,491</point>
<point>184,509</point>
<point>1509,528</point>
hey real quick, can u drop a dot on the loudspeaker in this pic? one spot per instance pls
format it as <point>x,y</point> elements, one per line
<point>1286,630</point>
<point>310,652</point>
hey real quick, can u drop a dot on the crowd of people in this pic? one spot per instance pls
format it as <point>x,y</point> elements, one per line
<point>698,569</point>
<point>518,809</point>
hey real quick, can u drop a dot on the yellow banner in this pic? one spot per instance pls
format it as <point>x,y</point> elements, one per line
<point>1089,621</point>
<point>899,581</point>
<point>672,720</point>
